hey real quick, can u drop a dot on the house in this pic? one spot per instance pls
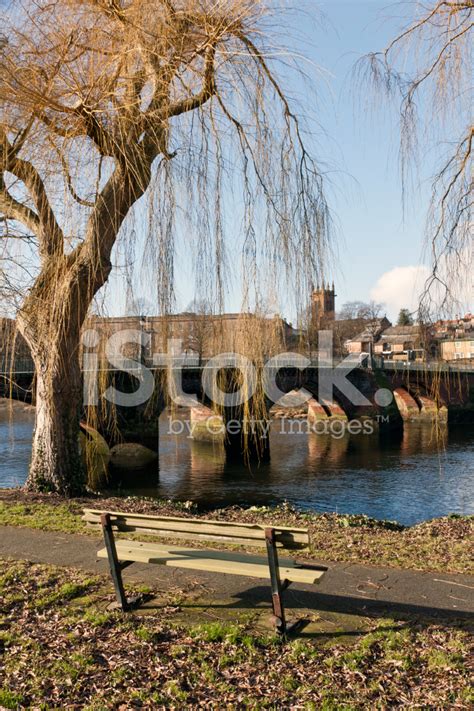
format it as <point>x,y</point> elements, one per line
<point>454,328</point>
<point>402,343</point>
<point>345,330</point>
<point>365,340</point>
<point>457,349</point>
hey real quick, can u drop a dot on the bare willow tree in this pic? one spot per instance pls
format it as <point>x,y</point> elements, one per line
<point>114,113</point>
<point>428,68</point>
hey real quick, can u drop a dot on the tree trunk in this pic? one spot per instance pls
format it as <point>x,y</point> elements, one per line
<point>50,320</point>
<point>56,463</point>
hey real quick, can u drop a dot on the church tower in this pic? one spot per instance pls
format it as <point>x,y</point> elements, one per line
<point>323,306</point>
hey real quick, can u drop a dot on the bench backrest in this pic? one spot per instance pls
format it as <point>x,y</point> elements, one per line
<point>252,534</point>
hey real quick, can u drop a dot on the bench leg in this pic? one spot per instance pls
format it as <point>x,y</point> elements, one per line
<point>115,566</point>
<point>276,584</point>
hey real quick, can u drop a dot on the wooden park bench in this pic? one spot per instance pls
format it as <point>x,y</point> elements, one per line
<point>121,553</point>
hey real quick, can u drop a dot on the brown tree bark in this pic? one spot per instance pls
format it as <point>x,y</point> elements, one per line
<point>52,329</point>
<point>56,463</point>
<point>51,320</point>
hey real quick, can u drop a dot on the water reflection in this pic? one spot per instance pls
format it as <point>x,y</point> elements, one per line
<point>322,448</point>
<point>408,478</point>
<point>205,457</point>
<point>424,438</point>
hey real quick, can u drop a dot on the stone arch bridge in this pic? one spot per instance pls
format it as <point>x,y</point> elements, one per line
<point>393,396</point>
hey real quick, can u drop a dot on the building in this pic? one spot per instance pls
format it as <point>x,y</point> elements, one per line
<point>345,330</point>
<point>323,307</point>
<point>389,342</point>
<point>457,349</point>
<point>364,341</point>
<point>201,336</point>
<point>402,343</point>
<point>454,328</point>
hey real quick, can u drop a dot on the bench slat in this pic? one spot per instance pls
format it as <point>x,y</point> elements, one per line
<point>205,529</point>
<point>157,548</point>
<point>123,514</point>
<point>227,540</point>
<point>210,561</point>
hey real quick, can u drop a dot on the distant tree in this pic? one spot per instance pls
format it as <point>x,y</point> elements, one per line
<point>360,310</point>
<point>139,307</point>
<point>353,318</point>
<point>350,310</point>
<point>200,328</point>
<point>404,318</point>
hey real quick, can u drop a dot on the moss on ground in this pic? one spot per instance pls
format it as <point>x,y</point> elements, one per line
<point>63,649</point>
<point>442,545</point>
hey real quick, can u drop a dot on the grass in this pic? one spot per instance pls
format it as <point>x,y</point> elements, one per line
<point>441,545</point>
<point>61,517</point>
<point>63,649</point>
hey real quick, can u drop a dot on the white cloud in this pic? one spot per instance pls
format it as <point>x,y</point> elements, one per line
<point>400,288</point>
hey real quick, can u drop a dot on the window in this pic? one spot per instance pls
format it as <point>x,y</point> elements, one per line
<point>458,355</point>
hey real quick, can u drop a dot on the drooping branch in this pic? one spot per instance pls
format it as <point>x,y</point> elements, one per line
<point>435,101</point>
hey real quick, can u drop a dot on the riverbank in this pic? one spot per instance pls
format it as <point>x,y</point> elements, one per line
<point>440,545</point>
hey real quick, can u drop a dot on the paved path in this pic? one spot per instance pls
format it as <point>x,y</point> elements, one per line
<point>346,588</point>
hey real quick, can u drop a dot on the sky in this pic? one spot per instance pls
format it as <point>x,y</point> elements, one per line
<point>379,245</point>
<point>380,242</point>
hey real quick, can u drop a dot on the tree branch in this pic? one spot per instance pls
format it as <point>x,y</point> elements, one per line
<point>425,20</point>
<point>68,178</point>
<point>416,84</point>
<point>195,101</point>
<point>97,133</point>
<point>44,222</point>
<point>11,209</point>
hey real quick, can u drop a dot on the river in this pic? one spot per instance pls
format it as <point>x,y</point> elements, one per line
<point>408,479</point>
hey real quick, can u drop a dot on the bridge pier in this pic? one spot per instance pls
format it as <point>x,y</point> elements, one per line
<point>335,411</point>
<point>417,407</point>
<point>407,405</point>
<point>316,414</point>
<point>242,439</point>
<point>432,410</point>
<point>206,425</point>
